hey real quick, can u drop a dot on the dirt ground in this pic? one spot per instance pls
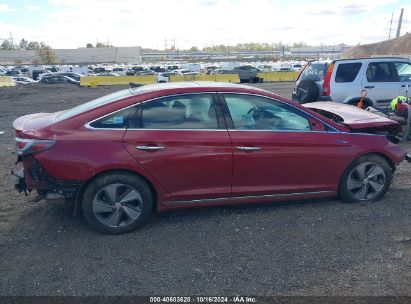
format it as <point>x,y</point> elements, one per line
<point>318,247</point>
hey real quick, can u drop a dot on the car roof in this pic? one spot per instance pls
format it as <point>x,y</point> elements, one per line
<point>389,58</point>
<point>191,85</point>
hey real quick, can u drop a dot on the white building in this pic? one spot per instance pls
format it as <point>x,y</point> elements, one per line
<point>76,56</point>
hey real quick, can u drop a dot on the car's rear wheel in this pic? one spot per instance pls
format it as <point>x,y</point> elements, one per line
<point>117,202</point>
<point>367,179</point>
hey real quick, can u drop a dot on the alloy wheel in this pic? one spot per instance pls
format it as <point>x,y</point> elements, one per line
<point>117,205</point>
<point>366,181</point>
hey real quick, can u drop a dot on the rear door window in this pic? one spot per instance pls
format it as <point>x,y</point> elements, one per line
<point>195,111</point>
<point>380,72</point>
<point>347,72</point>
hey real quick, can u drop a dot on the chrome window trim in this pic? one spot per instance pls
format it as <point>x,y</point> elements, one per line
<point>278,131</point>
<point>312,131</point>
<point>87,125</point>
<point>208,130</point>
<point>247,197</point>
<point>334,130</point>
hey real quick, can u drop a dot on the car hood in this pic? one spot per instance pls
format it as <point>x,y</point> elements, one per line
<point>352,116</point>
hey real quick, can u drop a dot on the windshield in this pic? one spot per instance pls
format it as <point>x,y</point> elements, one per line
<point>94,104</point>
<point>315,71</point>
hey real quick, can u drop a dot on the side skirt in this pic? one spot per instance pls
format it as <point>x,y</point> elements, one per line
<point>251,198</point>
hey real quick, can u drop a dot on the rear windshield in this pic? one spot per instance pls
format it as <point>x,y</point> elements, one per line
<point>315,71</point>
<point>94,104</point>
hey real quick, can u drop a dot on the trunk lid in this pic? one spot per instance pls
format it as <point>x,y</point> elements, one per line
<point>34,121</point>
<point>31,123</point>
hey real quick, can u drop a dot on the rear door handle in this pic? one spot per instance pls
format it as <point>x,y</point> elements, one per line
<point>150,148</point>
<point>369,87</point>
<point>248,149</point>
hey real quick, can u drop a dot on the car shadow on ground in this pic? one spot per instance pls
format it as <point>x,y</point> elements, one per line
<point>57,215</point>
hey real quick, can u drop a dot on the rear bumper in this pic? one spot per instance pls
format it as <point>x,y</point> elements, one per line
<point>19,181</point>
<point>324,98</point>
<point>35,177</point>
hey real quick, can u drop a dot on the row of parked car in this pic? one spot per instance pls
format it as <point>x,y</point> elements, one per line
<point>50,78</point>
<point>247,72</point>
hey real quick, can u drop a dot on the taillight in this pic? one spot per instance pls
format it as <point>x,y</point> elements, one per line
<point>32,146</point>
<point>327,80</point>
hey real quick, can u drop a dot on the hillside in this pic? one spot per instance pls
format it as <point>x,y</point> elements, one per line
<point>396,46</point>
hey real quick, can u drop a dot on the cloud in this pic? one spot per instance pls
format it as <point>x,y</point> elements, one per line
<point>283,28</point>
<point>32,8</point>
<point>208,3</point>
<point>74,23</point>
<point>352,9</point>
<point>345,10</point>
<point>4,8</point>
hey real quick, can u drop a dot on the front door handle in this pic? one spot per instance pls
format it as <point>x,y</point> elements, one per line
<point>150,148</point>
<point>248,149</point>
<point>341,142</point>
<point>369,87</point>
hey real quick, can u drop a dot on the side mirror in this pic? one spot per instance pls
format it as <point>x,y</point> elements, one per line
<point>316,125</point>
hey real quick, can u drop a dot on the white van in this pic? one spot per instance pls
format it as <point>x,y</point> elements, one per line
<point>35,70</point>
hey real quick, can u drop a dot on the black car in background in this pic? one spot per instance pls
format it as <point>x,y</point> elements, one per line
<point>53,79</point>
<point>75,76</point>
<point>14,73</point>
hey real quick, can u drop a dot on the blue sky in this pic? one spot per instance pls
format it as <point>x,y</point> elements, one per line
<point>148,23</point>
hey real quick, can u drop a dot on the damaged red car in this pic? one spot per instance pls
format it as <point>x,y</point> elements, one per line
<point>167,146</point>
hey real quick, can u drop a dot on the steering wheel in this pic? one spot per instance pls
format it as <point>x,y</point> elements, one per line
<point>264,118</point>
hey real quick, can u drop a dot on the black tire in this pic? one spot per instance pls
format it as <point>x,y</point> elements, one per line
<point>306,91</point>
<point>353,187</point>
<point>99,209</point>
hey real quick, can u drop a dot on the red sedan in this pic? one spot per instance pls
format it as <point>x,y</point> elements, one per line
<point>167,146</point>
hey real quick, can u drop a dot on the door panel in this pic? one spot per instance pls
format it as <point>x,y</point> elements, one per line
<point>404,75</point>
<point>181,146</point>
<point>381,83</point>
<point>192,164</point>
<point>275,150</point>
<point>288,162</point>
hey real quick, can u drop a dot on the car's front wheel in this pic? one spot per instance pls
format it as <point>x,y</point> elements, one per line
<point>117,202</point>
<point>367,179</point>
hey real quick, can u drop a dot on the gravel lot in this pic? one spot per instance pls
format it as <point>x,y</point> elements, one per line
<point>319,247</point>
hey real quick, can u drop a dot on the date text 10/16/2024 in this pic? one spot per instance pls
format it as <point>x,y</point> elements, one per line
<point>203,299</point>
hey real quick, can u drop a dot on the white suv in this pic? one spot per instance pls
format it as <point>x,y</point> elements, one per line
<point>343,80</point>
